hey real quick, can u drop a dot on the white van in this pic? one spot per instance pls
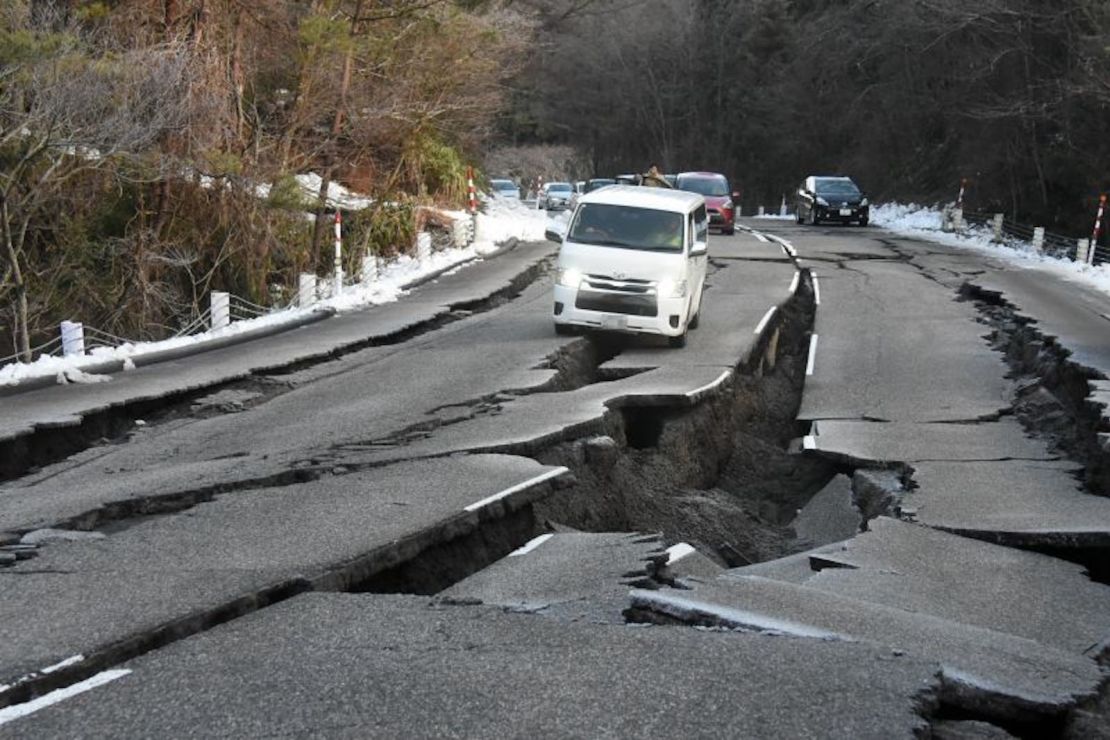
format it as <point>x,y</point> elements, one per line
<point>633,260</point>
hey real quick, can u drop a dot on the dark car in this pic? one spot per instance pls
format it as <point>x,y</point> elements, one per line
<point>597,182</point>
<point>831,199</point>
<point>719,197</point>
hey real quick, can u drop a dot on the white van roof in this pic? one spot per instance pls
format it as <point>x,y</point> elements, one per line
<point>660,199</point>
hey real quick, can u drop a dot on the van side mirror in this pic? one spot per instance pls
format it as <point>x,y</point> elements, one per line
<point>698,249</point>
<point>553,236</point>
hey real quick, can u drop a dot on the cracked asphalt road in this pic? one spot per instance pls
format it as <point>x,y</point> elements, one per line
<point>326,476</point>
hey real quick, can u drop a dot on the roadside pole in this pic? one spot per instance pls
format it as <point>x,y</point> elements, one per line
<point>472,203</point>
<point>337,289</point>
<point>1098,229</point>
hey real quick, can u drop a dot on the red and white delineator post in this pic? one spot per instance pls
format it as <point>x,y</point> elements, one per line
<point>1098,229</point>
<point>337,289</point>
<point>960,197</point>
<point>471,193</point>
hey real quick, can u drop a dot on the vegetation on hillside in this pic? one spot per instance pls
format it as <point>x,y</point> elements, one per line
<point>148,147</point>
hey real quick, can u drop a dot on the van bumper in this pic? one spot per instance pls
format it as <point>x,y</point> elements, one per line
<point>609,312</point>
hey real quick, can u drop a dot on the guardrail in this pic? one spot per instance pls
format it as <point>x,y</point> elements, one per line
<point>1045,242</point>
<point>77,339</point>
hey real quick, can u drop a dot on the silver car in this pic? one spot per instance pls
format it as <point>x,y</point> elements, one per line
<point>556,196</point>
<point>505,189</point>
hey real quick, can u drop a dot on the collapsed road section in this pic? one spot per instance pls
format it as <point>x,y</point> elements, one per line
<point>250,541</point>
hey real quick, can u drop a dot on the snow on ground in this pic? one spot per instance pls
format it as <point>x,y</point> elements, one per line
<point>501,220</point>
<point>925,222</point>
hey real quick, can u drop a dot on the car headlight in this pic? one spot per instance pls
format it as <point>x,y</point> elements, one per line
<point>821,201</point>
<point>570,277</point>
<point>727,205</point>
<point>863,203</point>
<point>668,288</point>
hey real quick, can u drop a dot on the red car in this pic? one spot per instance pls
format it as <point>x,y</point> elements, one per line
<point>719,198</point>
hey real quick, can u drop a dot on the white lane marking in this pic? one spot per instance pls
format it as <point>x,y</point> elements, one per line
<point>679,551</point>
<point>760,237</point>
<point>766,318</point>
<point>809,442</point>
<point>795,281</point>
<point>517,488</point>
<point>812,355</point>
<point>816,290</point>
<point>22,710</point>
<point>62,664</point>
<point>531,545</point>
<point>720,379</point>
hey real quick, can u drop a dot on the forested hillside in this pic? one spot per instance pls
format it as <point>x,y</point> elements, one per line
<point>147,147</point>
<point>908,96</point>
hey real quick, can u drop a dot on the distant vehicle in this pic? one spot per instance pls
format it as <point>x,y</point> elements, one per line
<point>672,180</point>
<point>831,199</point>
<point>634,260</point>
<point>555,196</point>
<point>505,189</point>
<point>719,198</point>
<point>598,182</point>
<point>627,179</point>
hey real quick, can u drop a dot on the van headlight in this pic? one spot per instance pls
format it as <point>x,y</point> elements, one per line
<point>821,201</point>
<point>727,205</point>
<point>570,277</point>
<point>667,288</point>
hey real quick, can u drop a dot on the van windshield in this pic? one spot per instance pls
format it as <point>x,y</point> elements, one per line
<point>627,227</point>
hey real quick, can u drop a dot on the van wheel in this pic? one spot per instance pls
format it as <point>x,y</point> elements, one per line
<point>677,342</point>
<point>730,231</point>
<point>696,320</point>
<point>563,330</point>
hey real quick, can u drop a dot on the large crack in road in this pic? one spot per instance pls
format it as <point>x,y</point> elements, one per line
<point>636,466</point>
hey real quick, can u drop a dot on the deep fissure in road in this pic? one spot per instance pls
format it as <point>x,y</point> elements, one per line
<point>1052,403</point>
<point>723,475</point>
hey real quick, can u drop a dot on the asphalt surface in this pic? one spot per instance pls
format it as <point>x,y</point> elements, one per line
<point>315,463</point>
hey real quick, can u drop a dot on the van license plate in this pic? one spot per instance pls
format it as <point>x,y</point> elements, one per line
<point>614,322</point>
<point>845,211</point>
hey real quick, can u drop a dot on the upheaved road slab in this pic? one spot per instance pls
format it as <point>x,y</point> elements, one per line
<point>163,573</point>
<point>981,667</point>
<point>363,666</point>
<point>919,569</point>
<point>574,575</point>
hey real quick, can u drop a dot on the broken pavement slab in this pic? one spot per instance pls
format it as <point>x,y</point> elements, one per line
<point>892,443</point>
<point>365,665</point>
<point>918,569</point>
<point>172,575</point>
<point>571,575</point>
<point>988,672</point>
<point>1017,502</point>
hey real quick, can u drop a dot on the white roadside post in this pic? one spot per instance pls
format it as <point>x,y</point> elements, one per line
<point>369,268</point>
<point>337,287</point>
<point>996,225</point>
<point>73,338</point>
<point>761,212</point>
<point>782,208</point>
<point>1038,239</point>
<point>423,246</point>
<point>958,220</point>
<point>306,290</point>
<point>220,303</point>
<point>1081,247</point>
